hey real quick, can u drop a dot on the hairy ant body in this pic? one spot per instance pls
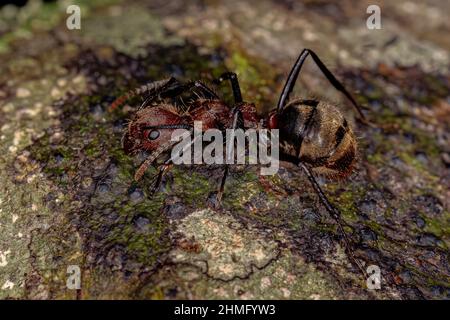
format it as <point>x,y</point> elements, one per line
<point>314,135</point>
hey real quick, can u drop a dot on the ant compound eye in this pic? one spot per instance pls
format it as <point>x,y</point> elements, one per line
<point>153,135</point>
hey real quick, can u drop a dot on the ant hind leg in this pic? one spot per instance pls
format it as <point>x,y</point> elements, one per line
<point>293,75</point>
<point>335,214</point>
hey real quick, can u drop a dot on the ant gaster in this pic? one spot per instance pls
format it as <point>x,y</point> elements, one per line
<point>314,135</point>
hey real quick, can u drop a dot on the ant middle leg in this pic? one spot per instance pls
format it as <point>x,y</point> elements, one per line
<point>237,122</point>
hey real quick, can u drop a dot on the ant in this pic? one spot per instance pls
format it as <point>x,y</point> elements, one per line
<point>314,135</point>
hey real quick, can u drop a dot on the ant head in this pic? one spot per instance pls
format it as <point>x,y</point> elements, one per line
<point>151,128</point>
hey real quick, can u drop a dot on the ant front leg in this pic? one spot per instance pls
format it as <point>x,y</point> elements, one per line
<point>163,169</point>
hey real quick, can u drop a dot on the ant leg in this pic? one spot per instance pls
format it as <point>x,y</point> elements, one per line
<point>237,119</point>
<point>234,85</point>
<point>157,178</point>
<point>335,214</point>
<point>219,195</point>
<point>144,166</point>
<point>293,75</point>
<point>151,158</point>
<point>205,89</point>
<point>163,169</point>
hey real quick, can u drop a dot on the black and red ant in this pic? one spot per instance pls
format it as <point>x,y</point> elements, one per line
<point>314,135</point>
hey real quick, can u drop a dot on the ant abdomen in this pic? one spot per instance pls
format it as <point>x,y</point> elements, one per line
<point>328,144</point>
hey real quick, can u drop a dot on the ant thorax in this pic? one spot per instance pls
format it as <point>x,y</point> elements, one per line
<point>250,146</point>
